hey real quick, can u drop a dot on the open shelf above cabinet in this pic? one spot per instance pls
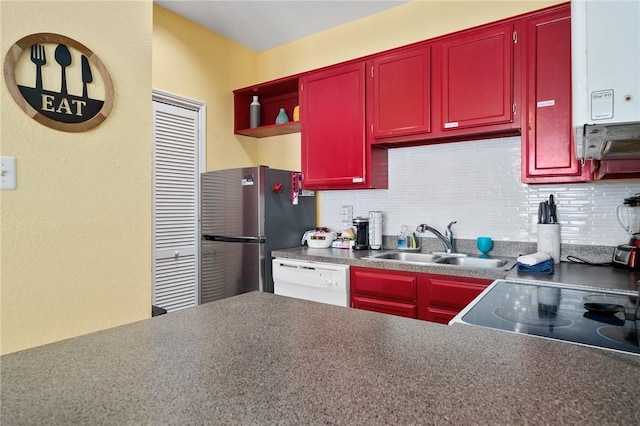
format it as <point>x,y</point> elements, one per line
<point>273,95</point>
<point>271,130</point>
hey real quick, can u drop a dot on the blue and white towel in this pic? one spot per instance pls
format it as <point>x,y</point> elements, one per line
<point>536,263</point>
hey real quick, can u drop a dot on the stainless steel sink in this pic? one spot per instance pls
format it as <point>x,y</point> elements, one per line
<point>406,257</point>
<point>444,259</point>
<point>473,262</point>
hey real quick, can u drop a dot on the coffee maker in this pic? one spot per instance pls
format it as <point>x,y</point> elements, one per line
<point>362,233</point>
<point>628,255</point>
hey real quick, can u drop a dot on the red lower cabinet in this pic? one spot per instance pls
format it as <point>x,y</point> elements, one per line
<point>379,290</point>
<point>408,310</point>
<point>429,297</point>
<point>442,297</point>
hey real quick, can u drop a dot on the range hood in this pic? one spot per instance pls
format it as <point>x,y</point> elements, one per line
<point>605,46</point>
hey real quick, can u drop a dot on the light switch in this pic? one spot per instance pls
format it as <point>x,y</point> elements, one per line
<point>347,215</point>
<point>8,172</point>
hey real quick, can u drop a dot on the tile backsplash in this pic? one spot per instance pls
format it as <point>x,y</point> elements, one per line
<point>478,185</point>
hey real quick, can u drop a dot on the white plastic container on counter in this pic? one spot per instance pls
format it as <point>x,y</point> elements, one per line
<point>375,230</point>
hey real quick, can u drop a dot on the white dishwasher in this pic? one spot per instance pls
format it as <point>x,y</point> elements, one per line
<point>315,281</point>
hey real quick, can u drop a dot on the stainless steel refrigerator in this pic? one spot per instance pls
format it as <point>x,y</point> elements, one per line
<point>246,213</point>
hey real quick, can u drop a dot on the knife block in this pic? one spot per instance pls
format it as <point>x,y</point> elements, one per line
<point>549,240</point>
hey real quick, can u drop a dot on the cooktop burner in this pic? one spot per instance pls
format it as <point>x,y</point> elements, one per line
<point>556,313</point>
<point>624,335</point>
<point>533,318</point>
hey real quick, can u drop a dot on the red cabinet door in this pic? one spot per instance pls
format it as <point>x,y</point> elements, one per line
<point>441,297</point>
<point>548,150</point>
<point>384,291</point>
<point>400,92</point>
<point>332,112</point>
<point>380,283</point>
<point>477,78</point>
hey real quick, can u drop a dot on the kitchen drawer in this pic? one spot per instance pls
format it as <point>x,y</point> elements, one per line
<point>408,310</point>
<point>385,284</point>
<point>456,295</point>
<point>442,316</point>
<point>441,297</point>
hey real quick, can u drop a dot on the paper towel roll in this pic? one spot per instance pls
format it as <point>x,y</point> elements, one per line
<point>375,230</point>
<point>549,240</point>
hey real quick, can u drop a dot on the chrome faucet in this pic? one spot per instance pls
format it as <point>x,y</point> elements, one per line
<point>447,238</point>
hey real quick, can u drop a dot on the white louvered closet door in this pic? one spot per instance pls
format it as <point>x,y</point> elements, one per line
<point>175,207</point>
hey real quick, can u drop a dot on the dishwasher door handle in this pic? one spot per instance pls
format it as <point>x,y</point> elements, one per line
<point>285,265</point>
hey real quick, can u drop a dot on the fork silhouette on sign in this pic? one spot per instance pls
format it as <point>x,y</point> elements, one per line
<point>38,57</point>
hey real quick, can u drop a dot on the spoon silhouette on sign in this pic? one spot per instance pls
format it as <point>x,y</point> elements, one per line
<point>63,57</point>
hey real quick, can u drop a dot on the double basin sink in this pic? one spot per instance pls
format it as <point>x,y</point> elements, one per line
<point>450,259</point>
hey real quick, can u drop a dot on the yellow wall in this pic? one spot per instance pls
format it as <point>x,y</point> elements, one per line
<point>191,61</point>
<point>405,24</point>
<point>194,62</point>
<point>76,233</point>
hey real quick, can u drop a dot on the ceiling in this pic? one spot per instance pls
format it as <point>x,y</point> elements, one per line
<point>264,24</point>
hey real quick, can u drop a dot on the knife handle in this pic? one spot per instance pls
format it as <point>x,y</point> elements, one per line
<point>540,214</point>
<point>553,217</point>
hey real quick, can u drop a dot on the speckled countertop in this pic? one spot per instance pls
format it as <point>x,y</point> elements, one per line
<point>259,359</point>
<point>568,273</point>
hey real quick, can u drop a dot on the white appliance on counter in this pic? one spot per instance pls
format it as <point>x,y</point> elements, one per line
<point>314,281</point>
<point>605,56</point>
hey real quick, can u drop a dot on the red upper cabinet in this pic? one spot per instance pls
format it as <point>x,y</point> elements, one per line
<point>548,148</point>
<point>399,92</point>
<point>476,81</point>
<point>335,152</point>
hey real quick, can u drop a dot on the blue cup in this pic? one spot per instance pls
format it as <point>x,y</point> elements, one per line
<point>484,244</point>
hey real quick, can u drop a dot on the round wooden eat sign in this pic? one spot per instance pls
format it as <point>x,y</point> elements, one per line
<point>58,82</point>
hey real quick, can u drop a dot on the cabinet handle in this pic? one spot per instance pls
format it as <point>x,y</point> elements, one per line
<point>515,37</point>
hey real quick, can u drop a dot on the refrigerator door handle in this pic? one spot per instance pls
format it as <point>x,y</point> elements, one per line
<point>225,239</point>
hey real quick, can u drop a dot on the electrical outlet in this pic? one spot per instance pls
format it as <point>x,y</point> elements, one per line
<point>347,215</point>
<point>8,172</point>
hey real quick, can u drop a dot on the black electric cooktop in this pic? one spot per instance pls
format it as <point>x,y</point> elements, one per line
<point>557,313</point>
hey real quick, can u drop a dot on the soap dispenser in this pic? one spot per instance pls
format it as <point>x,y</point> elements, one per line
<point>402,238</point>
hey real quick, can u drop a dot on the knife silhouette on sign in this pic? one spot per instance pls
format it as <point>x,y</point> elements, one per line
<point>86,75</point>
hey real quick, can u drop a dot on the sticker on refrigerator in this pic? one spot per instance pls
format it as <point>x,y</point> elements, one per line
<point>247,180</point>
<point>602,104</point>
